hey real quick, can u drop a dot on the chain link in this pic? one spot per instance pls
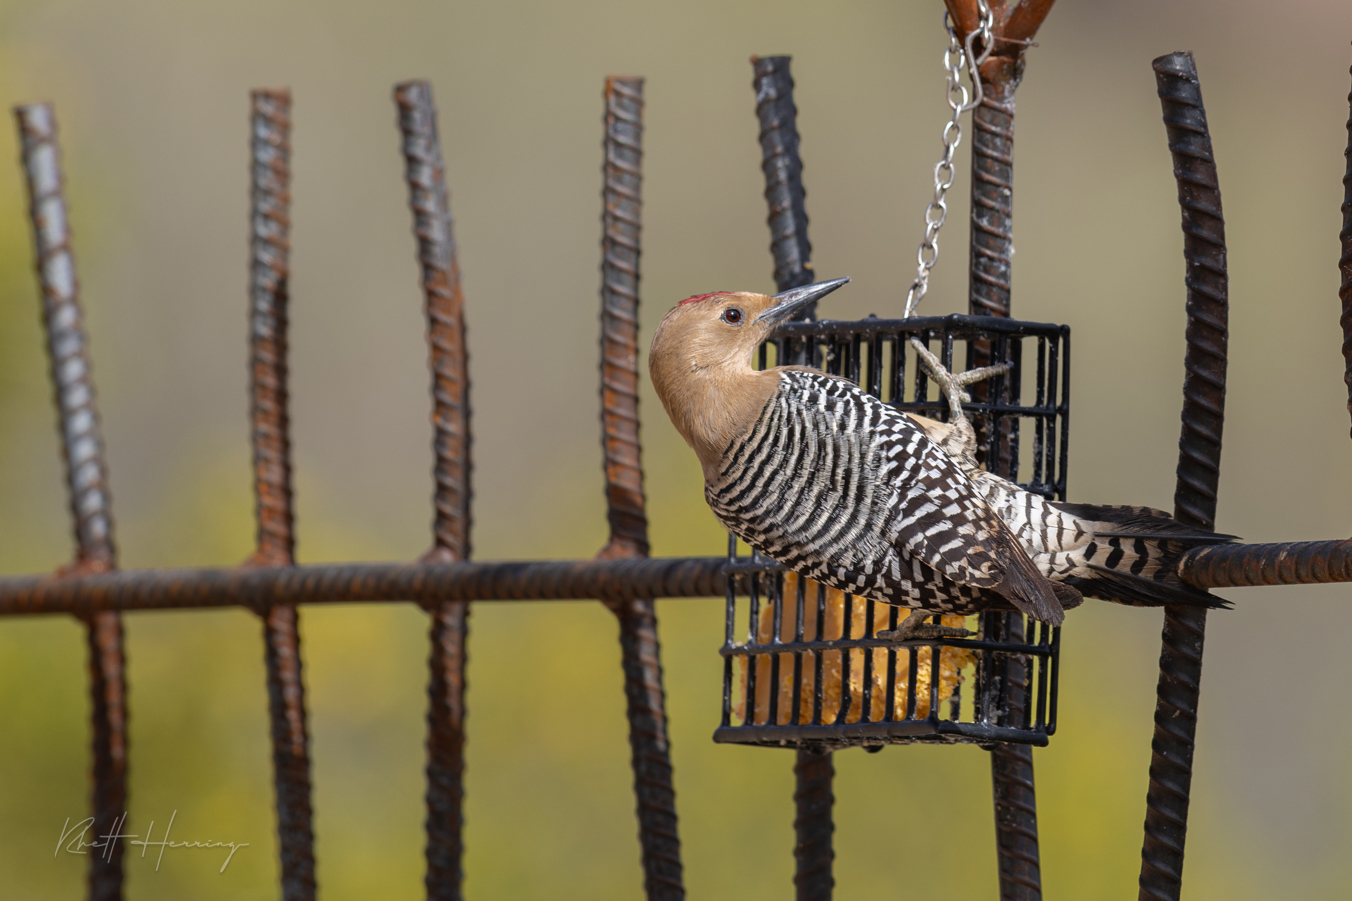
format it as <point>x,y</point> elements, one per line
<point>960,100</point>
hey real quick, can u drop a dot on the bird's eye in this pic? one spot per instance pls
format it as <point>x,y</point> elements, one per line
<point>732,316</point>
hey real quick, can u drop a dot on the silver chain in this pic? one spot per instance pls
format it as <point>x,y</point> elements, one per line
<point>960,101</point>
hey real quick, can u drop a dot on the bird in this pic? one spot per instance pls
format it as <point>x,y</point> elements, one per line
<point>845,489</point>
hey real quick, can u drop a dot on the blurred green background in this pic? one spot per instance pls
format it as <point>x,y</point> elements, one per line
<point>152,99</point>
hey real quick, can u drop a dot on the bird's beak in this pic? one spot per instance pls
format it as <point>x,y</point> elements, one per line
<point>794,299</point>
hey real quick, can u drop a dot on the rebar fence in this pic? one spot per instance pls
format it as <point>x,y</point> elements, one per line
<point>811,673</point>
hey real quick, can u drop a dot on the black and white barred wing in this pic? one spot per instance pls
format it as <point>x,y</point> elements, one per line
<point>936,513</point>
<point>831,476</point>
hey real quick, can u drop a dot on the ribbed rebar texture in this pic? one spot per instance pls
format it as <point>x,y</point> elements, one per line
<point>990,265</point>
<point>269,268</point>
<point>650,748</point>
<point>1286,563</point>
<point>86,476</point>
<point>429,200</point>
<point>621,223</point>
<point>787,200</point>
<point>1013,790</point>
<point>1166,820</point>
<point>992,196</point>
<point>270,226</point>
<point>446,750</point>
<point>813,826</point>
<point>783,168</point>
<point>1345,261</point>
<point>612,581</point>
<point>290,751</point>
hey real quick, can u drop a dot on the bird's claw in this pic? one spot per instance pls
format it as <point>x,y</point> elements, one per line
<point>953,385</point>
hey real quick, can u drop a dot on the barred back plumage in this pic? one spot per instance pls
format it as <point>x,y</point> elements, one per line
<point>839,486</point>
<point>835,484</point>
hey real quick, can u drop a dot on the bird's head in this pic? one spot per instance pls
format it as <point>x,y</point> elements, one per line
<point>700,361</point>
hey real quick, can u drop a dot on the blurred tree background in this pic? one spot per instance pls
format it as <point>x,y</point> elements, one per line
<point>152,97</point>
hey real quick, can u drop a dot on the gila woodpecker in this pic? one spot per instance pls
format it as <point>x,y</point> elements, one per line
<point>843,488</point>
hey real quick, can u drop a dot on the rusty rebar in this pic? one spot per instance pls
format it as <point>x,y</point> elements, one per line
<point>813,825</point>
<point>992,231</point>
<point>621,226</point>
<point>1345,261</point>
<point>1199,451</point>
<point>270,227</point>
<point>1218,566</point>
<point>782,165</point>
<point>786,198</point>
<point>990,266</point>
<point>429,201</point>
<point>649,743</point>
<point>1287,563</point>
<point>86,475</point>
<point>444,303</point>
<point>650,749</point>
<point>269,268</point>
<point>1013,791</point>
<point>423,583</point>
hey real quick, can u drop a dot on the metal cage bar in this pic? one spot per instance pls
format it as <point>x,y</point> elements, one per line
<point>86,478</point>
<point>649,743</point>
<point>1199,452</point>
<point>782,166</point>
<point>429,201</point>
<point>270,433</point>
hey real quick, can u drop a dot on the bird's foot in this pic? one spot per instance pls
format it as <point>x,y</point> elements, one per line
<point>954,385</point>
<point>914,628</point>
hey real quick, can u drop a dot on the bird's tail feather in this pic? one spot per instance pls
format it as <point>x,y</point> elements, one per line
<point>1135,555</point>
<point>1030,591</point>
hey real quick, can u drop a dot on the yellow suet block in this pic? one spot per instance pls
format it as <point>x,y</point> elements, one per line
<point>951,661</point>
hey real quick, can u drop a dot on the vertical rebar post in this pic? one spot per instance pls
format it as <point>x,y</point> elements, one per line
<point>992,231</point>
<point>621,228</point>
<point>1012,787</point>
<point>1199,452</point>
<point>86,477</point>
<point>785,195</point>
<point>1345,261</point>
<point>269,268</point>
<point>989,288</point>
<point>813,826</point>
<point>782,165</point>
<point>429,201</point>
<point>621,225</point>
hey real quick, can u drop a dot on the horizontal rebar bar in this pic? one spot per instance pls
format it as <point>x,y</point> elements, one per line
<point>1218,566</point>
<point>1285,563</point>
<point>615,580</point>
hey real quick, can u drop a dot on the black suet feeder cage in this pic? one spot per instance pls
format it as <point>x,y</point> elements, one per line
<point>802,667</point>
